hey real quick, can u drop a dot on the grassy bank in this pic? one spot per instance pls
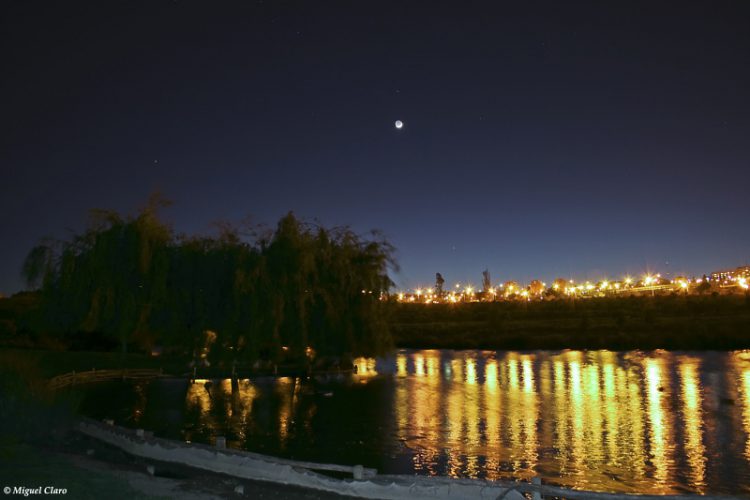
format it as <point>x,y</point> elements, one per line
<point>666,322</point>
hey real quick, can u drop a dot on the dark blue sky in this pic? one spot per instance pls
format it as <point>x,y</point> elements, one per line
<point>541,139</point>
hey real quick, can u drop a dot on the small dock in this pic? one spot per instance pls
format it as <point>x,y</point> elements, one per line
<point>74,378</point>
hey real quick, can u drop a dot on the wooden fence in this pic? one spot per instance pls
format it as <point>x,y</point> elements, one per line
<point>94,375</point>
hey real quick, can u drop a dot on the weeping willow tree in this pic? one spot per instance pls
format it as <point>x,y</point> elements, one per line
<point>108,278</point>
<point>320,289</point>
<point>303,289</point>
<point>347,311</point>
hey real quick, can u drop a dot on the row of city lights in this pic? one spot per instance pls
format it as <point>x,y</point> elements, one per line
<point>565,286</point>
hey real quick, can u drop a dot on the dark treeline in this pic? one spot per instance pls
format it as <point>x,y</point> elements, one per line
<point>617,323</point>
<point>274,295</point>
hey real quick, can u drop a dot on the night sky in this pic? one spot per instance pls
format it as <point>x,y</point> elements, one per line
<point>540,139</point>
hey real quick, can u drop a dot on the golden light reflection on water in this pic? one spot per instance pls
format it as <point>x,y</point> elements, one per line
<point>692,415</point>
<point>631,422</point>
<point>472,410</point>
<point>285,388</point>
<point>199,397</point>
<point>433,364</point>
<point>610,405</point>
<point>575,411</point>
<point>741,362</point>
<point>528,375</point>
<point>205,395</point>
<point>512,371</point>
<point>590,416</point>
<point>530,418</point>
<point>365,367</point>
<point>490,376</point>
<point>401,365</point>
<point>660,435</point>
<point>471,371</point>
<point>417,428</point>
<point>419,365</point>
<point>456,369</point>
<point>561,430</point>
<point>456,422</point>
<point>593,414</point>
<point>492,410</point>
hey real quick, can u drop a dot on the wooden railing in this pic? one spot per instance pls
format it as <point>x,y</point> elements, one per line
<point>86,377</point>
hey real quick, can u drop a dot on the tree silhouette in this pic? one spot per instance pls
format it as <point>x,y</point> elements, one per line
<point>439,282</point>
<point>300,290</point>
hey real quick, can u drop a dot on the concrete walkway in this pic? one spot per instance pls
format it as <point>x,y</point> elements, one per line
<point>88,469</point>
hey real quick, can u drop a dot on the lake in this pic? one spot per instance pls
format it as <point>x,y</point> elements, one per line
<point>650,422</point>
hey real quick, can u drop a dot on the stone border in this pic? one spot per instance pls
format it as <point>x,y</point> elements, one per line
<point>247,465</point>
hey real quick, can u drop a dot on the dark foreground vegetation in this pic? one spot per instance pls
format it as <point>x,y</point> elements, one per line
<point>621,323</point>
<point>298,293</point>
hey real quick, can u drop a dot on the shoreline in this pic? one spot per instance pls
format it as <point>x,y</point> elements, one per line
<point>88,468</point>
<point>244,465</point>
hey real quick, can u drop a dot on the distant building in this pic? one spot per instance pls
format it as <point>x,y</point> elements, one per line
<point>731,275</point>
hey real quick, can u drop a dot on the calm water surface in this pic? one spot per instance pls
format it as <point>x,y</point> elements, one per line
<point>652,422</point>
